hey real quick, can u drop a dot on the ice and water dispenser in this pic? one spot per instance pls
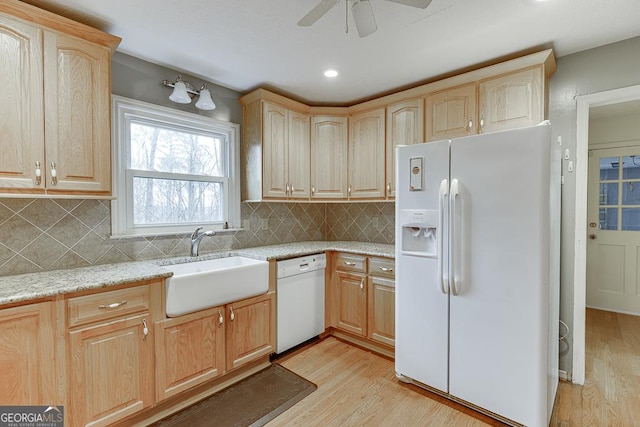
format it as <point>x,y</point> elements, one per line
<point>419,232</point>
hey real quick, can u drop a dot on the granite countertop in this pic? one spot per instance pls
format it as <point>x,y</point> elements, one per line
<point>31,286</point>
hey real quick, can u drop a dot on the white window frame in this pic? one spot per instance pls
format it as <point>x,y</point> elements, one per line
<point>123,111</point>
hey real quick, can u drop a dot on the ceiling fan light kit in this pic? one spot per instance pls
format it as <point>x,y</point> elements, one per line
<point>361,11</point>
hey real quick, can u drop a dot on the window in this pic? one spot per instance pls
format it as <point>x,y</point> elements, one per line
<point>619,204</point>
<point>173,171</point>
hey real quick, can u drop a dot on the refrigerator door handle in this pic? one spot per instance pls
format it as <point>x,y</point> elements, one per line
<point>443,277</point>
<point>453,242</point>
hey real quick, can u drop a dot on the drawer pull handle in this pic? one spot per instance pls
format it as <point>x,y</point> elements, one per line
<point>38,173</point>
<point>54,174</point>
<point>386,269</point>
<point>220,318</point>
<point>362,284</point>
<point>232,316</point>
<point>145,329</point>
<point>350,264</point>
<point>112,305</point>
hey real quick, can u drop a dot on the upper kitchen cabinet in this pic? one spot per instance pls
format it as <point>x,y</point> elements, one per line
<point>329,157</point>
<point>55,117</point>
<point>366,158</point>
<point>405,126</point>
<point>276,148</point>
<point>451,113</point>
<point>508,95</point>
<point>512,100</point>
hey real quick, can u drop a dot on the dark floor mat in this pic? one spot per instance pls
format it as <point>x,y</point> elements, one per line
<point>254,401</point>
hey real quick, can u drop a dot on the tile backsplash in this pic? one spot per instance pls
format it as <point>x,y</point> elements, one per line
<point>49,234</point>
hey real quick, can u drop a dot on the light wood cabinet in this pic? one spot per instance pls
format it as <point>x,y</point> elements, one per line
<point>361,300</point>
<point>381,303</point>
<point>366,158</point>
<point>110,371</point>
<point>22,106</point>
<point>352,302</point>
<point>405,126</point>
<point>110,355</point>
<point>56,118</point>
<point>512,100</point>
<point>28,355</point>
<point>451,113</point>
<point>190,351</point>
<point>508,101</point>
<point>328,157</point>
<point>250,330</point>
<point>286,153</point>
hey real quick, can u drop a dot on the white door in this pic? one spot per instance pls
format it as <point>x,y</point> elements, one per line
<point>613,229</point>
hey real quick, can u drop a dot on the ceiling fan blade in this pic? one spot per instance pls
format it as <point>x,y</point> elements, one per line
<point>317,12</point>
<point>363,17</point>
<point>422,4</point>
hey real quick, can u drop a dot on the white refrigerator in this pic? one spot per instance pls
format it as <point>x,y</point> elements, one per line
<point>477,271</point>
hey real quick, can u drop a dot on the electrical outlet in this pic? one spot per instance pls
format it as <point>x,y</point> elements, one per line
<point>265,224</point>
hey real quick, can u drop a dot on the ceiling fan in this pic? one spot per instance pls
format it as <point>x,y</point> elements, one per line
<point>361,11</point>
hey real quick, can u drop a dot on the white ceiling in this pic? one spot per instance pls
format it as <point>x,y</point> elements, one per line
<point>244,44</point>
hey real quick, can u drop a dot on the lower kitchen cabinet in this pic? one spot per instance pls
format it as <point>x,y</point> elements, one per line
<point>110,371</point>
<point>361,300</point>
<point>27,355</point>
<point>189,351</point>
<point>250,330</point>
<point>382,310</point>
<point>352,302</point>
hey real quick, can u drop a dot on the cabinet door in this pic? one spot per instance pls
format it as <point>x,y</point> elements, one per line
<point>189,351</point>
<point>451,113</point>
<point>405,126</point>
<point>21,109</point>
<point>299,160</point>
<point>275,130</point>
<point>366,155</point>
<point>512,101</point>
<point>352,300</point>
<point>77,124</point>
<point>328,157</point>
<point>382,299</point>
<point>250,330</point>
<point>110,371</point>
<point>27,355</point>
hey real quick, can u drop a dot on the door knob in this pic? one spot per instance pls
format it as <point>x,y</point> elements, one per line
<point>593,236</point>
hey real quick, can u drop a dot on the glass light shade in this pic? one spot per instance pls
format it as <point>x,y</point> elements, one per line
<point>204,101</point>
<point>180,94</point>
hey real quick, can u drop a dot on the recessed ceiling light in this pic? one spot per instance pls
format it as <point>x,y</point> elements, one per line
<point>331,73</point>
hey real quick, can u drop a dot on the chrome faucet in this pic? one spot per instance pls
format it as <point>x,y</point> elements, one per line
<point>196,237</point>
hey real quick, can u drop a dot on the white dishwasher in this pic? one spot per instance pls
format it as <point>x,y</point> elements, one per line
<point>300,300</point>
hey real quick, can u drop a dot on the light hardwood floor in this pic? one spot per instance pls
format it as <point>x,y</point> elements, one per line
<point>611,392</point>
<point>358,388</point>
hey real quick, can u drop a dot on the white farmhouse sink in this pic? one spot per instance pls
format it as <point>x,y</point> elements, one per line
<point>203,284</point>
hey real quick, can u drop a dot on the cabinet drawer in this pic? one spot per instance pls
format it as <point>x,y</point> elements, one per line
<point>348,262</point>
<point>382,267</point>
<point>106,305</point>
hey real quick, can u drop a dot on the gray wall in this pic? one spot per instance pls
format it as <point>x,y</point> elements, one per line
<point>608,67</point>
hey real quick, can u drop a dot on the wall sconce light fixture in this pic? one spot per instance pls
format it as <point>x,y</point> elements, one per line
<point>184,91</point>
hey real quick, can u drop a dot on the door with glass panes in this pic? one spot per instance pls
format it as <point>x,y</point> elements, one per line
<point>613,230</point>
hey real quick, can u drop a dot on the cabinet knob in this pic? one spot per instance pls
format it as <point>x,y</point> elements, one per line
<point>38,173</point>
<point>112,305</point>
<point>220,318</point>
<point>54,174</point>
<point>232,316</point>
